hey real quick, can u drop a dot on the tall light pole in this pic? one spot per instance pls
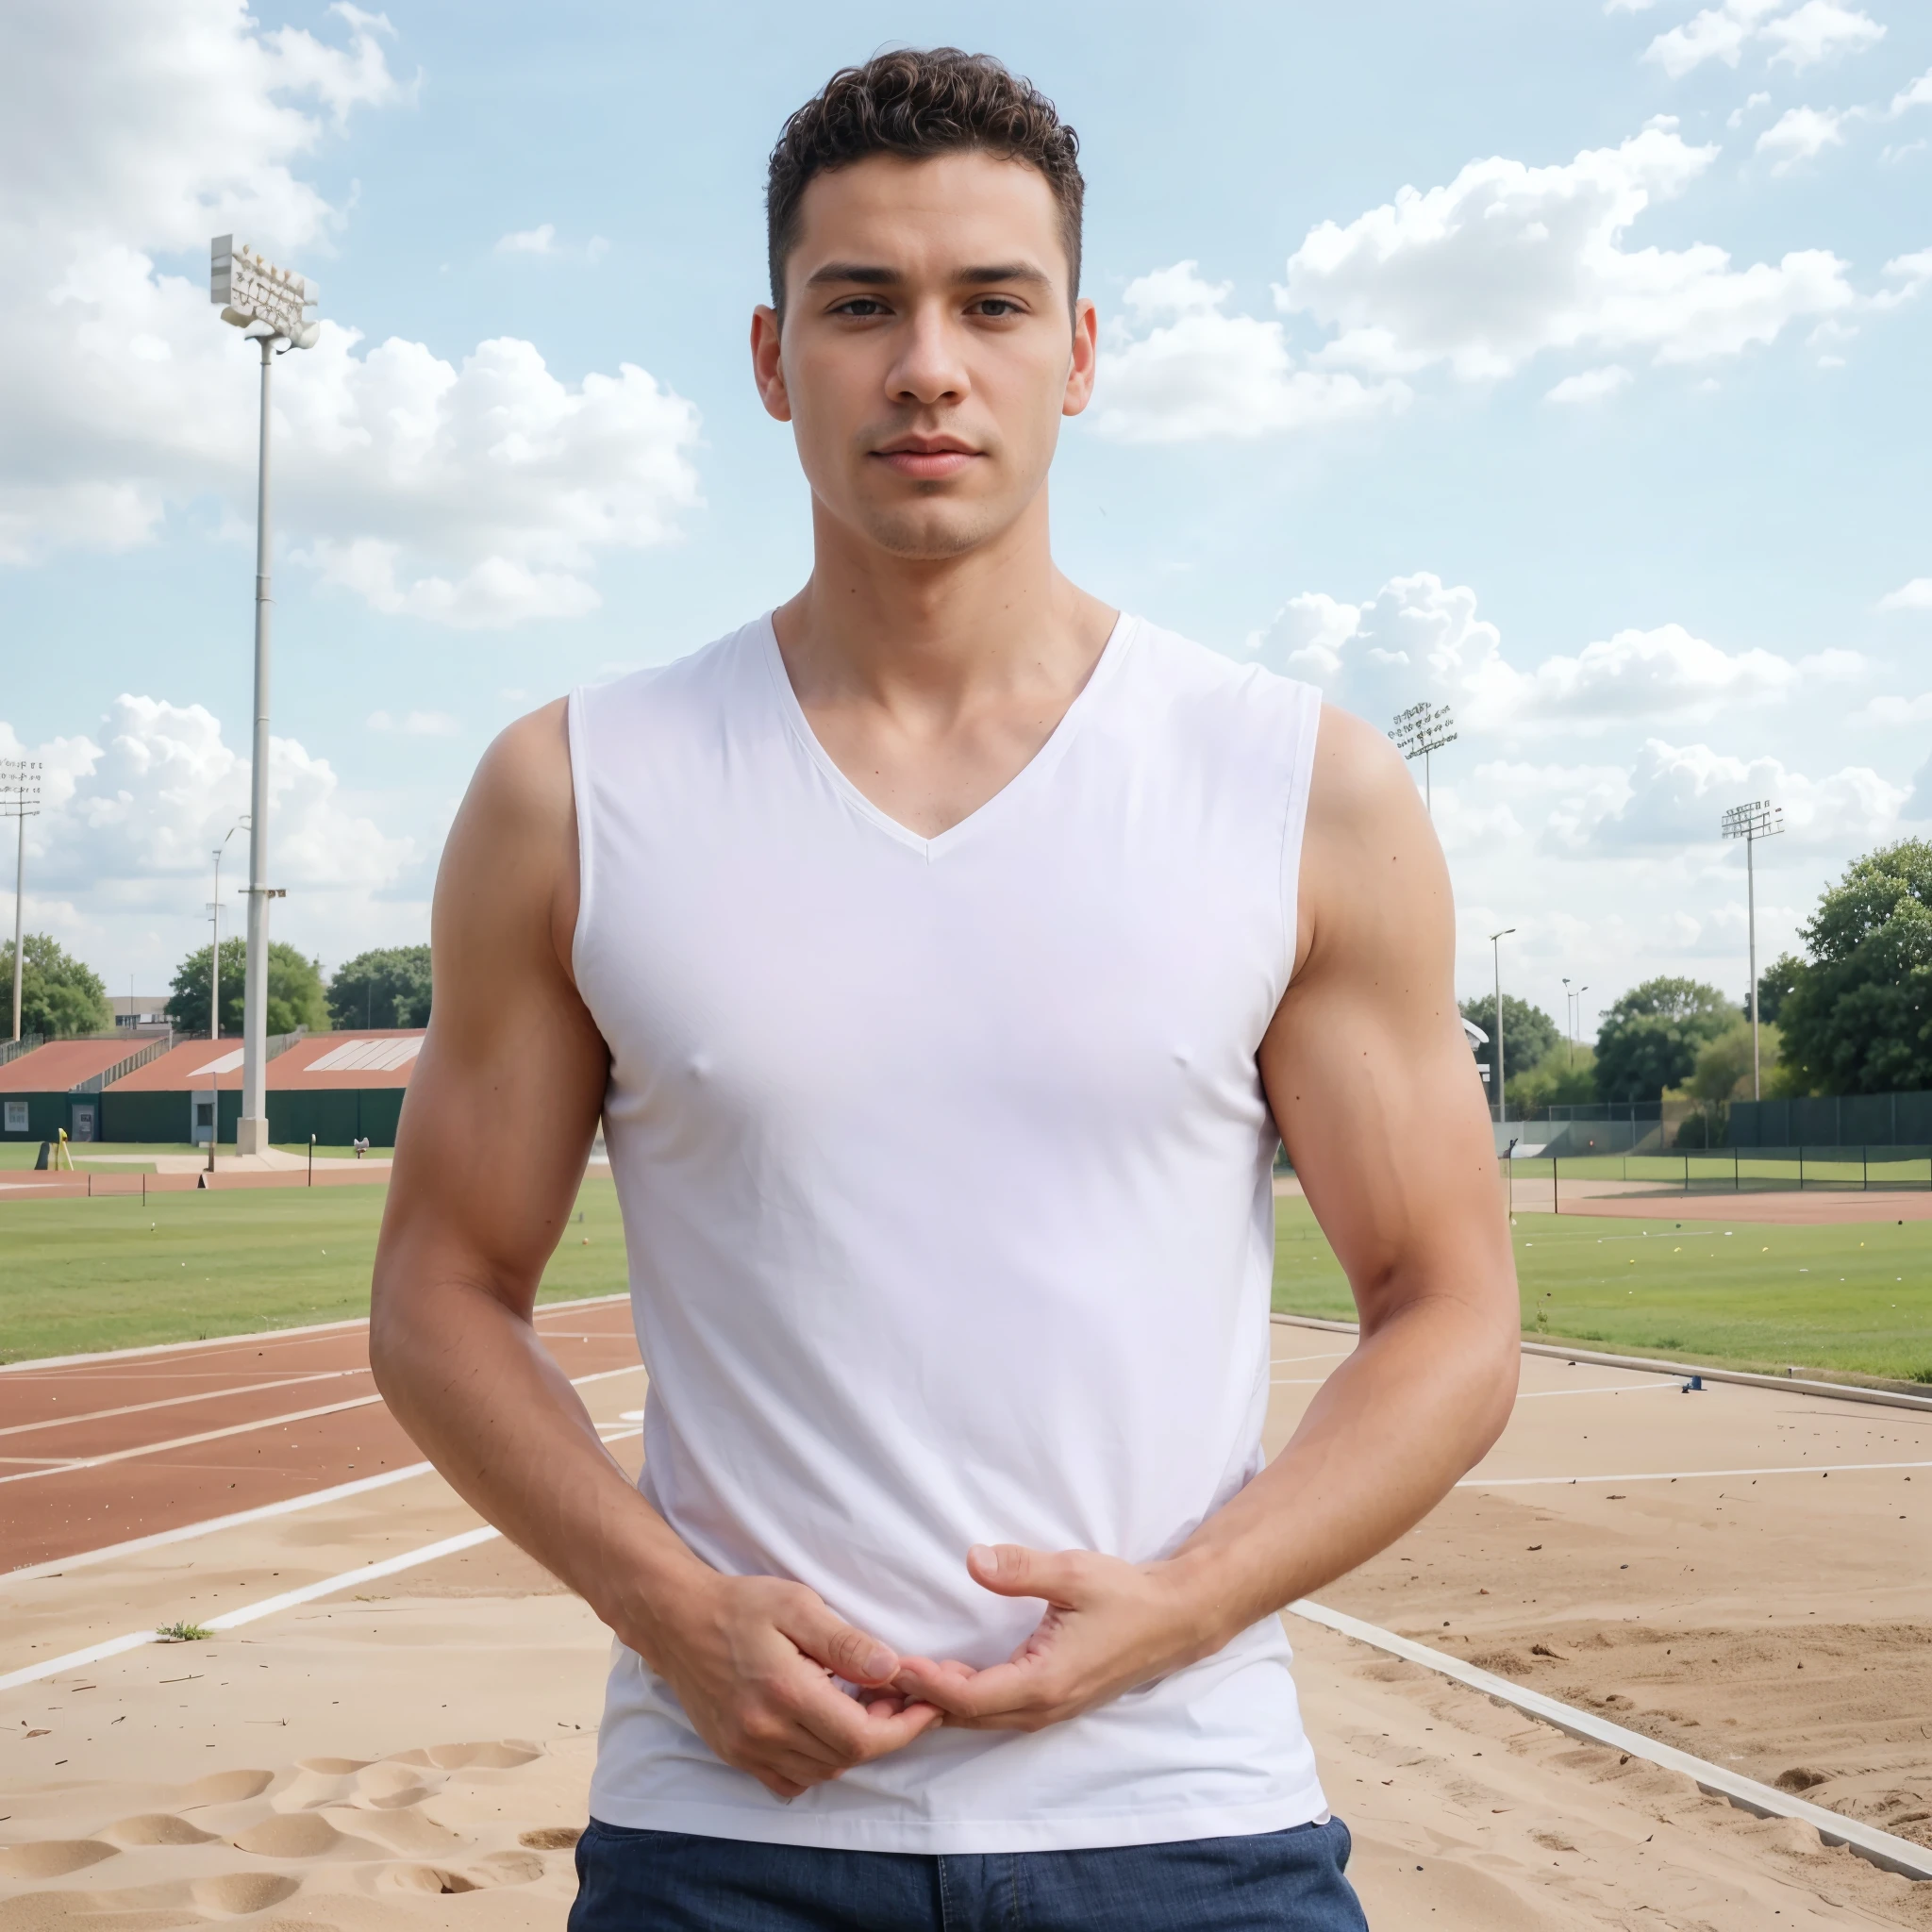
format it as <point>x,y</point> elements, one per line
<point>20,798</point>
<point>266,304</point>
<point>1417,732</point>
<point>1496,940</point>
<point>1761,819</point>
<point>214,976</point>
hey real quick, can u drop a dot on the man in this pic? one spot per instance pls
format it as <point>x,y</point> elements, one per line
<point>944,955</point>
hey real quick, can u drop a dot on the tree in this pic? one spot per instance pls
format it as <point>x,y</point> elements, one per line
<point>388,986</point>
<point>1859,1018</point>
<point>60,997</point>
<point>1565,1077</point>
<point>1651,1038</point>
<point>1775,984</point>
<point>1528,1033</point>
<point>1723,1071</point>
<point>294,991</point>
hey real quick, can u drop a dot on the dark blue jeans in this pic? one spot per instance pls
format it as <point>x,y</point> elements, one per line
<point>667,1881</point>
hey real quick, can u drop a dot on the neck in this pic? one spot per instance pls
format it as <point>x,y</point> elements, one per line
<point>936,631</point>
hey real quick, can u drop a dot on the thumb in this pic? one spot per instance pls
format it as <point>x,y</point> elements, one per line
<point>1013,1570</point>
<point>841,1648</point>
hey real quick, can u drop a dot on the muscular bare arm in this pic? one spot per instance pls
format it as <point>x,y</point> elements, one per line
<point>499,1120</point>
<point>1379,1102</point>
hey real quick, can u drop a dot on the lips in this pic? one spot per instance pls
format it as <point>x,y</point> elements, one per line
<point>926,458</point>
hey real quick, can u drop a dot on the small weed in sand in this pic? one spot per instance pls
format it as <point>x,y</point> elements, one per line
<point>184,1632</point>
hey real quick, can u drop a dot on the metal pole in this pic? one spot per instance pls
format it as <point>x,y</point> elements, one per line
<point>1751,903</point>
<point>214,977</point>
<point>251,1132</point>
<point>19,906</point>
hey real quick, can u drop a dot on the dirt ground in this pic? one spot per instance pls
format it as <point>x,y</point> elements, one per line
<point>414,1751</point>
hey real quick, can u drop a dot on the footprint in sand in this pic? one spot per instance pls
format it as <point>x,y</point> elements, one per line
<point>301,1835</point>
<point>155,1829</point>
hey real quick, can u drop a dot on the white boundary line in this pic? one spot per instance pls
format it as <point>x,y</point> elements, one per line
<point>102,1415</point>
<point>1842,1391</point>
<point>1674,1476</point>
<point>289,1505</point>
<point>215,1342</point>
<point>1890,1854</point>
<point>268,1607</point>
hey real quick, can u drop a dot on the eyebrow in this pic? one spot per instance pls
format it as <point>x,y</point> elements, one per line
<point>871,275</point>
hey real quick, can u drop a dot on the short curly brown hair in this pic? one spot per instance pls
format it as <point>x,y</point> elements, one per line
<point>917,103</point>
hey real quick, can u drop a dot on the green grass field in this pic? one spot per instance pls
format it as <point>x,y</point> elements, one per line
<point>1855,1299</point>
<point>110,1273</point>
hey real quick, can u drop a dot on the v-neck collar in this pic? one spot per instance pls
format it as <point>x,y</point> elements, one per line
<point>1033,771</point>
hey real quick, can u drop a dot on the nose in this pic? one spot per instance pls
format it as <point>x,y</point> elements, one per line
<point>928,369</point>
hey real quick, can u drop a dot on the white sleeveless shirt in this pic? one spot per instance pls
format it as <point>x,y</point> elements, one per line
<point>946,1173</point>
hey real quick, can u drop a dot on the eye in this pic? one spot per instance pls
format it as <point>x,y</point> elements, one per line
<point>863,306</point>
<point>997,306</point>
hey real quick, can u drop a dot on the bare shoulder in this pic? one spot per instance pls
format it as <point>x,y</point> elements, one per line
<point>512,857</point>
<point>1370,858</point>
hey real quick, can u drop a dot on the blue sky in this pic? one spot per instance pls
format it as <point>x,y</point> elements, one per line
<point>1564,364</point>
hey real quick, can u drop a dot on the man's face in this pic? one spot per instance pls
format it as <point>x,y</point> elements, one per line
<point>928,351</point>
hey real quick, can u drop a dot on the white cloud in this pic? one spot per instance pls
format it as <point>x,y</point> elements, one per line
<point>1801,134</point>
<point>1916,596</point>
<point>1918,95</point>
<point>1901,711</point>
<point>132,822</point>
<point>1420,638</point>
<point>473,492</point>
<point>1629,6</point>
<point>1911,272</point>
<point>1510,261</point>
<point>1590,385</point>
<point>1182,369</point>
<point>538,241</point>
<point>416,724</point>
<point>1738,115</point>
<point>1718,33</point>
<point>1677,794</point>
<point>1819,30</point>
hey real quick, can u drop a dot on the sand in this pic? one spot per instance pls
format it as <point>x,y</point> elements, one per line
<point>415,1754</point>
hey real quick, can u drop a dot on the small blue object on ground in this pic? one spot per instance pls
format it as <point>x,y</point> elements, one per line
<point>1693,1387</point>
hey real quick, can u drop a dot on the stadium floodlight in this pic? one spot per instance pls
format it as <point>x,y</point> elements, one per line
<point>20,798</point>
<point>1496,940</point>
<point>1419,731</point>
<point>1761,819</point>
<point>267,305</point>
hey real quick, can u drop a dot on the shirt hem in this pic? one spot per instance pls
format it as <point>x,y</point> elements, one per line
<point>951,1837</point>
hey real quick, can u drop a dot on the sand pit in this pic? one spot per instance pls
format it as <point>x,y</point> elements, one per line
<point>415,1752</point>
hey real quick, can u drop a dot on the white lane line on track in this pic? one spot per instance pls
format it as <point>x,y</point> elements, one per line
<point>1673,1476</point>
<point>100,1415</point>
<point>268,1607</point>
<point>267,1421</point>
<point>61,1465</point>
<point>1604,1388</point>
<point>222,1343</point>
<point>1889,1853</point>
<point>263,1512</point>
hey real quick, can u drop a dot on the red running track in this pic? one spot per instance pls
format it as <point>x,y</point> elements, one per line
<point>106,1448</point>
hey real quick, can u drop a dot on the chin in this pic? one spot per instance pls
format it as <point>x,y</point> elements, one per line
<point>931,531</point>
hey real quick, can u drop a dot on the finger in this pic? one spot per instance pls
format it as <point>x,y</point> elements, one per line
<point>851,1731</point>
<point>828,1639</point>
<point>972,1695</point>
<point>1013,1570</point>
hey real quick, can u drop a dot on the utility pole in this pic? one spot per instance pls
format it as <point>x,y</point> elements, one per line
<point>20,799</point>
<point>1761,819</point>
<point>1419,730</point>
<point>266,303</point>
<point>1496,940</point>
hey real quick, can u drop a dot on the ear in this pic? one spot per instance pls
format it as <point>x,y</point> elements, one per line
<point>768,365</point>
<point>1085,354</point>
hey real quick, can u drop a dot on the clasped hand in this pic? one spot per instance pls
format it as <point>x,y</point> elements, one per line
<point>753,1660</point>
